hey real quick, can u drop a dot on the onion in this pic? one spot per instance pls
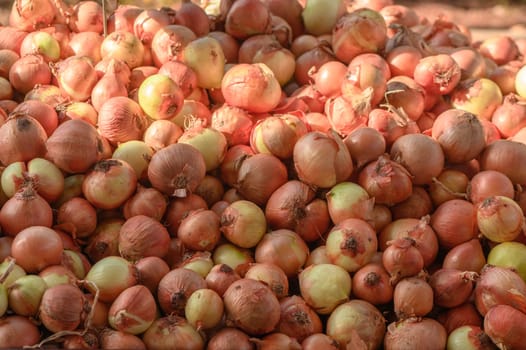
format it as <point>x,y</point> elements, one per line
<point>328,78</point>
<point>138,74</point>
<point>505,76</point>
<point>246,18</point>
<point>351,244</point>
<point>225,337</point>
<point>124,46</point>
<point>206,58</point>
<point>160,97</point>
<point>322,160</point>
<point>402,259</point>
<point>146,201</point>
<point>500,49</point>
<point>61,307</point>
<point>503,324</point>
<point>170,332</point>
<point>25,293</point>
<point>479,96</point>
<point>293,206</point>
<point>251,306</point>
<point>86,44</point>
<point>365,145</point>
<point>452,287</point>
<point>176,287</point>
<point>319,22</point>
<point>151,270</point>
<point>243,223</point>
<point>18,331</point>
<point>137,154</point>
<point>110,339</point>
<point>324,287</point>
<point>161,133</point>
<point>200,230</point>
<point>460,134</point>
<point>506,157</point>
<point>168,43</point>
<point>12,37</point>
<point>42,112</point>
<point>78,217</point>
<point>298,320</point>
<point>28,71</point>
<point>283,248</point>
<point>311,60</point>
<point>41,43</point>
<point>419,230</point>
<point>425,164</point>
<point>499,285</point>
<point>259,176</point>
<point>179,208</point>
<point>454,222</point>
<point>107,174</point>
<point>133,311</point>
<point>319,341</point>
<point>466,256</point>
<point>357,319</point>
<point>415,333</point>
<point>111,275</point>
<point>372,283</point>
<point>31,240</point>
<point>359,31</point>
<point>212,190</point>
<point>412,297</point>
<point>349,200</point>
<point>22,139</point>
<point>450,184</point>
<point>403,59</point>
<point>211,143</point>
<point>235,123</point>
<point>500,218</point>
<point>456,317</point>
<point>270,274</point>
<point>204,309</point>
<point>74,146</point>
<point>508,254</point>
<point>387,181</point>
<point>25,209</point>
<point>510,116</point>
<point>141,236</point>
<point>277,135</point>
<point>438,74</point>
<point>177,169</point>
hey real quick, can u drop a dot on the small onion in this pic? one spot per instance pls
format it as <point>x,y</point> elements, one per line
<point>402,259</point>
<point>62,307</point>
<point>14,136</point>
<point>200,230</point>
<point>37,247</point>
<point>298,319</point>
<point>499,218</point>
<point>454,222</point>
<point>452,287</point>
<point>412,297</point>
<point>243,223</point>
<point>372,284</point>
<point>111,275</point>
<point>220,277</point>
<point>204,309</point>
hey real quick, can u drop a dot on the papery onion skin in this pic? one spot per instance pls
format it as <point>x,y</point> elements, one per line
<point>37,247</point>
<point>111,275</point>
<point>413,297</point>
<point>505,326</point>
<point>170,332</point>
<point>17,128</point>
<point>507,157</point>
<point>133,311</point>
<point>402,259</point>
<point>466,256</point>
<point>18,331</point>
<point>61,307</point>
<point>454,222</point>
<point>499,218</point>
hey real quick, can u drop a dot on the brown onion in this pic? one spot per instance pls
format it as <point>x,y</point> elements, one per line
<point>37,247</point>
<point>248,17</point>
<point>204,309</point>
<point>170,332</point>
<point>200,230</point>
<point>505,326</point>
<point>487,183</point>
<point>298,319</point>
<point>251,306</point>
<point>176,287</point>
<point>499,285</point>
<point>506,157</point>
<point>372,283</point>
<point>151,269</point>
<point>22,139</point>
<point>111,339</point>
<point>415,333</point>
<point>61,307</point>
<point>365,144</point>
<point>29,71</point>
<point>499,218</point>
<point>178,209</point>
<point>462,315</point>
<point>419,204</point>
<point>284,248</point>
<point>452,287</point>
<point>25,209</point>
<point>423,165</point>
<point>454,222</point>
<point>177,169</point>
<point>146,201</point>
<point>351,244</point>
<point>74,146</point>
<point>104,241</point>
<point>142,236</point>
<point>225,337</point>
<point>133,311</point>
<point>110,276</point>
<point>412,297</point>
<point>402,259</point>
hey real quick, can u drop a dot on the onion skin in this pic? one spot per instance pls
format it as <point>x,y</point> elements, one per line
<point>251,306</point>
<point>170,332</point>
<point>413,297</point>
<point>133,311</point>
<point>500,219</point>
<point>61,307</point>
<point>14,131</point>
<point>462,315</point>
<point>18,331</point>
<point>507,157</point>
<point>454,222</point>
<point>175,288</point>
<point>505,326</point>
<point>466,256</point>
<point>452,287</point>
<point>141,236</point>
<point>225,339</point>
<point>298,319</point>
